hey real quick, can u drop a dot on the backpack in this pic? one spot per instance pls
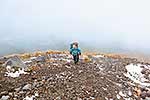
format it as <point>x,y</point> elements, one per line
<point>74,43</point>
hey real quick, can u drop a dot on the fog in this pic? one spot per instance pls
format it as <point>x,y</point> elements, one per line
<point>98,25</point>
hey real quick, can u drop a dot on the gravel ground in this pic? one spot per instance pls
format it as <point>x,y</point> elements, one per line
<point>54,76</point>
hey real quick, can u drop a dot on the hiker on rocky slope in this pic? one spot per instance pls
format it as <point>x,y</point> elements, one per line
<point>75,52</point>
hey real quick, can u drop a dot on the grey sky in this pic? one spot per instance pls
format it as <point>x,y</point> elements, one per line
<point>124,23</point>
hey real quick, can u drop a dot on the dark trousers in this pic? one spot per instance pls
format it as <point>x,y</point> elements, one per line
<point>76,58</point>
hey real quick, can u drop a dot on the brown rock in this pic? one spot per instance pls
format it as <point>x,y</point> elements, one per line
<point>143,95</point>
<point>148,93</point>
<point>144,71</point>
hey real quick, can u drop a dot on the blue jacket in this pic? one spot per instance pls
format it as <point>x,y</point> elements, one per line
<point>74,51</point>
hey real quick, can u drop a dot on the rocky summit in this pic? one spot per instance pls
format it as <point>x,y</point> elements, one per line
<point>53,76</point>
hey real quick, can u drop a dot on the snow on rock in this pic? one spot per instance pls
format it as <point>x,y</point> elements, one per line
<point>9,68</point>
<point>4,98</point>
<point>122,94</point>
<point>27,62</point>
<point>29,98</point>
<point>104,88</point>
<point>100,67</point>
<point>147,98</point>
<point>99,56</point>
<point>27,87</point>
<point>92,98</point>
<point>15,74</point>
<point>118,96</point>
<point>129,93</point>
<point>33,58</point>
<point>36,94</point>
<point>106,98</point>
<point>68,61</point>
<point>134,73</point>
<point>85,58</point>
<point>15,66</point>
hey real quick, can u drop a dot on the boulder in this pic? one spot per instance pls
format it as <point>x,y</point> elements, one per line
<point>3,93</point>
<point>38,59</point>
<point>27,87</point>
<point>85,58</point>
<point>148,93</point>
<point>17,89</point>
<point>3,60</point>
<point>144,71</point>
<point>15,61</point>
<point>143,95</point>
<point>5,97</point>
<point>41,59</point>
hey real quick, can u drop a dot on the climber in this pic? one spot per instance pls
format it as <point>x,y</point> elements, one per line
<point>75,52</point>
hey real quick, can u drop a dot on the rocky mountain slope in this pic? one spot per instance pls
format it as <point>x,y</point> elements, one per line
<point>52,75</point>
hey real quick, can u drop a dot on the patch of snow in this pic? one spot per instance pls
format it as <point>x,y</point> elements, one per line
<point>118,96</point>
<point>106,98</point>
<point>36,94</point>
<point>15,74</point>
<point>87,92</point>
<point>99,56</point>
<point>67,66</point>
<point>92,98</point>
<point>4,98</point>
<point>27,62</point>
<point>104,88</point>
<point>52,59</point>
<point>128,99</point>
<point>80,71</point>
<point>134,73</point>
<point>147,98</point>
<point>9,68</point>
<point>100,67</point>
<point>29,98</point>
<point>122,94</point>
<point>55,64</point>
<point>69,61</point>
<point>129,93</point>
<point>118,84</point>
<point>33,58</point>
<point>49,66</point>
<point>61,54</point>
<point>79,98</point>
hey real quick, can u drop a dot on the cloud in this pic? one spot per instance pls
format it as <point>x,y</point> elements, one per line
<point>106,23</point>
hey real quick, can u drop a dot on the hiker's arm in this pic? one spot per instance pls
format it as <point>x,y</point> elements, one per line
<point>79,51</point>
<point>70,51</point>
